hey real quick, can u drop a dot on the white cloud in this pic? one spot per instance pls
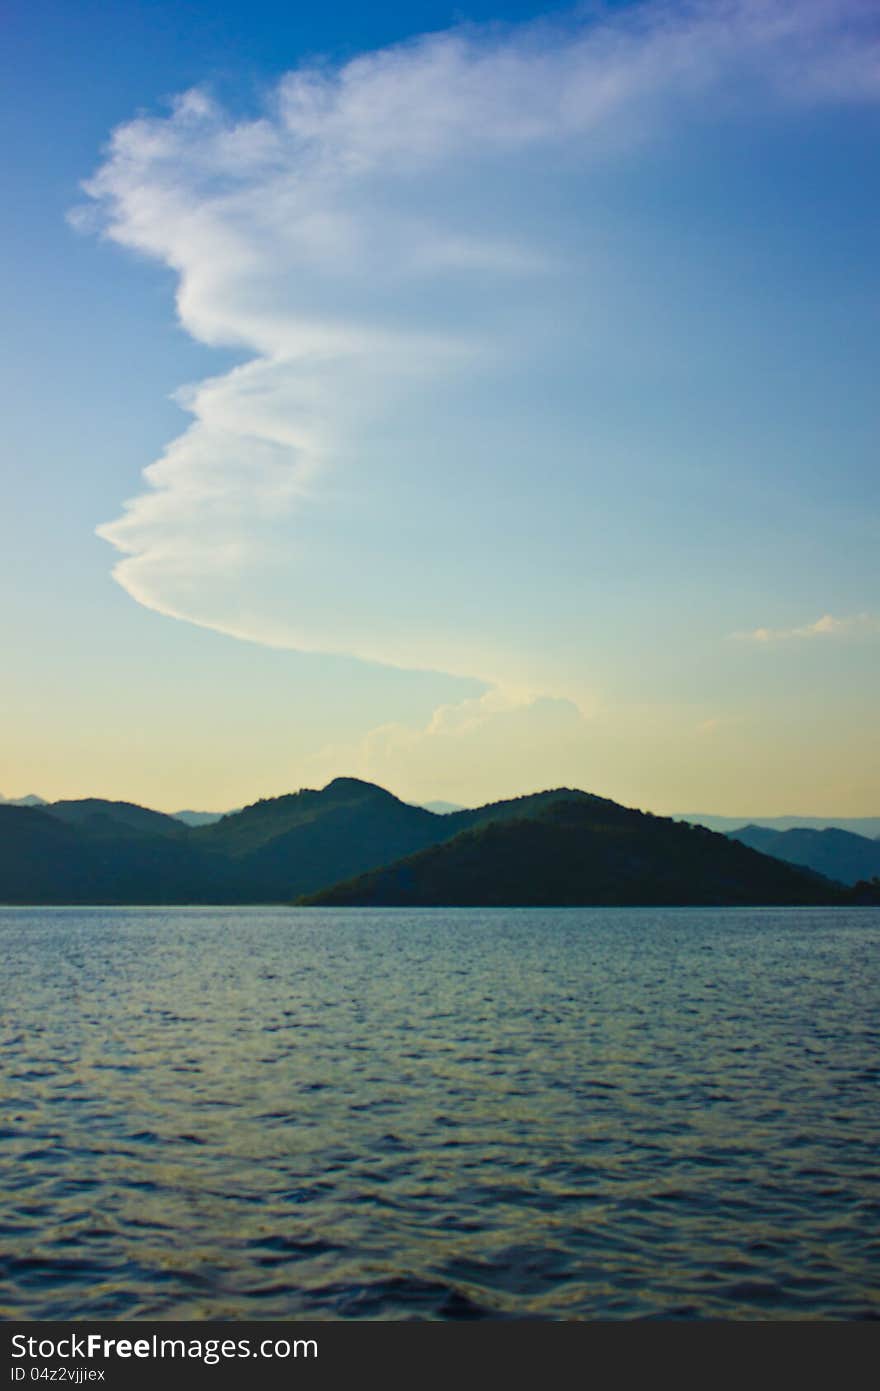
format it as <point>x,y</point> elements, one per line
<point>464,750</point>
<point>859,625</point>
<point>374,239</point>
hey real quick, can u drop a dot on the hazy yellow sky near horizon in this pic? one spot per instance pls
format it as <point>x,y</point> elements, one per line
<point>179,725</point>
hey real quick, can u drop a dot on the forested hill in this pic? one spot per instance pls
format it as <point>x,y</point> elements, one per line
<point>96,851</point>
<point>575,852</point>
<point>353,842</point>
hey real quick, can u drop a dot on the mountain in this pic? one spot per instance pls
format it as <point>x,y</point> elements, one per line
<point>832,852</point>
<point>293,845</point>
<point>858,825</point>
<point>441,808</point>
<point>111,818</point>
<point>296,844</point>
<point>561,846</point>
<point>199,818</point>
<point>585,851</point>
<point>44,859</point>
<point>30,801</point>
<point>270,852</point>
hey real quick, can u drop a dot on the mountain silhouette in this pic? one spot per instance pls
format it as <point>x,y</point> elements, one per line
<point>835,853</point>
<point>45,859</point>
<point>858,825</point>
<point>109,818</point>
<point>353,842</point>
<point>96,851</point>
<point>579,852</point>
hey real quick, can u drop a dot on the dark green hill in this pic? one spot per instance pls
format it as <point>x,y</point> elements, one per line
<point>113,818</point>
<point>93,851</point>
<point>561,846</point>
<point>46,860</point>
<point>832,852</point>
<point>254,827</point>
<point>259,825</point>
<point>303,842</point>
<point>585,852</point>
<point>33,847</point>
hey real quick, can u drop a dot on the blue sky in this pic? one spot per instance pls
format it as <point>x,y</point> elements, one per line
<point>506,382</point>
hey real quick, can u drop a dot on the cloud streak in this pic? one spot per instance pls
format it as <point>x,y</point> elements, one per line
<point>374,242</point>
<point>860,625</point>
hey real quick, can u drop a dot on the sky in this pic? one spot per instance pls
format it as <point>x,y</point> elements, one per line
<point>473,400</point>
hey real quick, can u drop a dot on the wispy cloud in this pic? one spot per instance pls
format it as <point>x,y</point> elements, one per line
<point>372,240</point>
<point>860,625</point>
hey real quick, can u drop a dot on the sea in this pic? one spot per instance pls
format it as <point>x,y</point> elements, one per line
<point>556,1114</point>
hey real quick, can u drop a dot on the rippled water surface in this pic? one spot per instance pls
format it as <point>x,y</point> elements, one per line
<point>439,1114</point>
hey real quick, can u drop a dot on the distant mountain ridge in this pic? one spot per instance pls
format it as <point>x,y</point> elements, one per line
<point>562,845</point>
<point>95,851</point>
<point>187,815</point>
<point>200,818</point>
<point>859,825</point>
<point>835,853</point>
